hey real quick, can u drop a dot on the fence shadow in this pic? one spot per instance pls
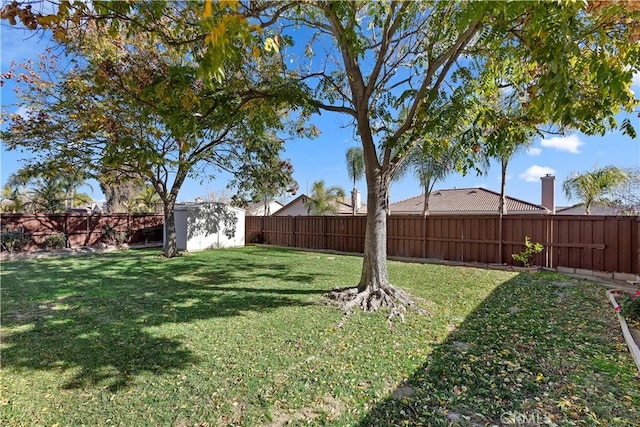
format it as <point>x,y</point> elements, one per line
<point>513,360</point>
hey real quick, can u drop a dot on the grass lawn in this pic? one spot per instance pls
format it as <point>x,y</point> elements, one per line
<point>243,337</point>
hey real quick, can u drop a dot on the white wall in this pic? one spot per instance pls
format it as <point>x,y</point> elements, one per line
<point>180,218</point>
<point>296,209</point>
<point>202,226</point>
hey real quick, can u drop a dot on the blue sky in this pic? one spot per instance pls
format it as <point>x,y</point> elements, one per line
<point>324,157</point>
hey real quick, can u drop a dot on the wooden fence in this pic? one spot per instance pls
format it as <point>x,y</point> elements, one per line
<point>600,243</point>
<point>85,229</point>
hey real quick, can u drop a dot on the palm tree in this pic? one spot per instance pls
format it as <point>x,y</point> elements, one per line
<point>431,166</point>
<point>594,187</point>
<point>324,200</point>
<point>48,196</point>
<point>69,182</point>
<point>147,200</point>
<point>12,201</point>
<point>355,169</point>
<point>505,150</point>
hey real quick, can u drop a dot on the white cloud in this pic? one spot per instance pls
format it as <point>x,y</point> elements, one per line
<point>569,143</point>
<point>635,84</point>
<point>534,151</point>
<point>22,111</point>
<point>535,172</point>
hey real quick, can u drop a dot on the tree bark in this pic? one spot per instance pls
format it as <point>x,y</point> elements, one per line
<point>503,184</point>
<point>425,206</point>
<point>170,248</point>
<point>374,267</point>
<point>354,196</point>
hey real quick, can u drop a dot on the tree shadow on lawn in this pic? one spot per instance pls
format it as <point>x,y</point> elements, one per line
<point>534,350</point>
<point>93,315</point>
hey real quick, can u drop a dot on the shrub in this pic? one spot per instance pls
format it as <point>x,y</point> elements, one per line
<point>530,250</point>
<point>14,241</point>
<point>112,236</point>
<point>55,241</point>
<point>630,306</point>
<point>254,238</point>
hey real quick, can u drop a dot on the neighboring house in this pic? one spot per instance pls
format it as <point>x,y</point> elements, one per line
<point>258,209</point>
<point>92,208</point>
<point>297,207</point>
<point>469,201</point>
<point>579,209</point>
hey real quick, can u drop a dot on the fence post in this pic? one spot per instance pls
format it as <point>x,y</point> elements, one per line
<point>293,231</point>
<point>549,245</point>
<point>638,246</point>
<point>424,236</point>
<point>461,227</point>
<point>500,237</point>
<point>65,230</point>
<point>262,228</point>
<point>324,231</point>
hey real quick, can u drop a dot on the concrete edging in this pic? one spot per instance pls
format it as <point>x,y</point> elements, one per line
<point>633,346</point>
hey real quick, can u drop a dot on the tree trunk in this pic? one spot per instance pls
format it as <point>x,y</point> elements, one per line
<point>354,196</point>
<point>170,248</point>
<point>503,184</point>
<point>425,207</point>
<point>374,267</point>
<point>374,290</point>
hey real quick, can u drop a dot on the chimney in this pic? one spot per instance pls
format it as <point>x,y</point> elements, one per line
<point>549,192</point>
<point>358,201</point>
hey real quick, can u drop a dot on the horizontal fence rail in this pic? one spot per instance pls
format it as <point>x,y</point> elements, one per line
<point>598,243</point>
<point>84,229</point>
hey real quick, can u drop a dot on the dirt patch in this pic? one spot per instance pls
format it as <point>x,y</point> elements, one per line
<point>328,406</point>
<point>563,284</point>
<point>402,392</point>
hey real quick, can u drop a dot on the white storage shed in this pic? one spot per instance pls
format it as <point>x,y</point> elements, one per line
<point>208,225</point>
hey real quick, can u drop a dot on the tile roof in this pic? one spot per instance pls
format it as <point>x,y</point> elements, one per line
<point>344,207</point>
<point>579,209</point>
<point>464,200</point>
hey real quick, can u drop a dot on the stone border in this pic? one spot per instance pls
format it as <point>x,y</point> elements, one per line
<point>631,343</point>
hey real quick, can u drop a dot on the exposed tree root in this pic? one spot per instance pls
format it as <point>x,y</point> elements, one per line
<point>385,297</point>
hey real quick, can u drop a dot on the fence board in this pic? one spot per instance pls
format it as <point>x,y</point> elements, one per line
<point>602,243</point>
<point>84,229</point>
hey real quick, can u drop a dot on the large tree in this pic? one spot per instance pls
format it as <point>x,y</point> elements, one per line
<point>372,61</point>
<point>262,180</point>
<point>137,106</point>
